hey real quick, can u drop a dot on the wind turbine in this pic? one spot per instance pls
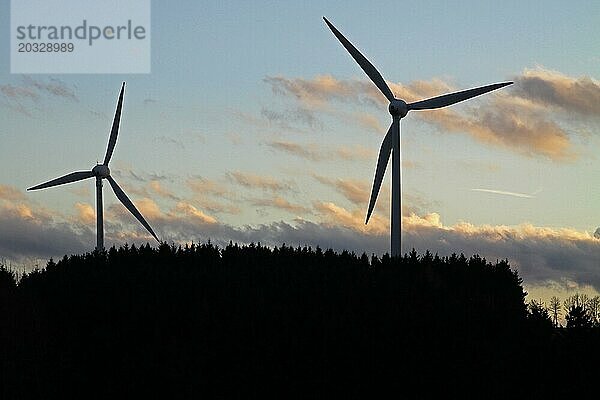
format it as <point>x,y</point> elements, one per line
<point>398,109</point>
<point>101,171</point>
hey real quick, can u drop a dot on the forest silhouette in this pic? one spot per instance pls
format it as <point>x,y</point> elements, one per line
<point>248,321</point>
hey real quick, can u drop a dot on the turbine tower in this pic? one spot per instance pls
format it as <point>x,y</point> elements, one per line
<point>101,171</point>
<point>391,142</point>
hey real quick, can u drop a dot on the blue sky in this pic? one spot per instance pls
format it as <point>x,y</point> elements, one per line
<point>237,130</point>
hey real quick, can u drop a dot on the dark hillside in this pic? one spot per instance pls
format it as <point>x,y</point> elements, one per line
<point>248,320</point>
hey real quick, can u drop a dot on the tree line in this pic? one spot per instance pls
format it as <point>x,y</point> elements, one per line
<point>580,311</point>
<point>249,320</point>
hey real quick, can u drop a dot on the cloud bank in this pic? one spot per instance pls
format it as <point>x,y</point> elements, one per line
<point>525,118</point>
<point>543,255</point>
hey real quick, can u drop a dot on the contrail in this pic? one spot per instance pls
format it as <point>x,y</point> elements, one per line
<point>522,195</point>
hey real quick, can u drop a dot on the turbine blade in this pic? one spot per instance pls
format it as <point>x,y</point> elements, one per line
<point>72,177</point>
<point>115,127</point>
<point>129,205</point>
<point>451,98</point>
<point>365,64</point>
<point>382,162</point>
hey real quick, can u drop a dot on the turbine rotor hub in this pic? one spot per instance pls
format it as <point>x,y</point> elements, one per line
<point>101,171</point>
<point>398,108</point>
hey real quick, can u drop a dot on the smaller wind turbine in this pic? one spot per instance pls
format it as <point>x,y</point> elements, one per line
<point>398,109</point>
<point>101,171</point>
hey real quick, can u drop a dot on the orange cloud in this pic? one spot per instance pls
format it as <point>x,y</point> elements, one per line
<point>505,120</point>
<point>213,196</point>
<point>157,188</point>
<point>354,190</point>
<point>85,213</point>
<point>204,186</point>
<point>515,119</point>
<point>24,211</point>
<point>356,152</point>
<point>369,121</point>
<point>219,206</point>
<point>309,151</point>
<point>507,124</point>
<point>334,215</point>
<point>189,210</point>
<point>581,95</point>
<point>10,193</point>
<point>357,192</point>
<point>257,181</point>
<point>522,232</point>
<point>314,152</point>
<point>148,208</point>
<point>283,204</point>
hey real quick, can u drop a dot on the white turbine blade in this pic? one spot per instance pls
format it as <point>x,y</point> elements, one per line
<point>365,64</point>
<point>452,98</point>
<point>129,205</point>
<point>115,127</point>
<point>72,177</point>
<point>382,162</point>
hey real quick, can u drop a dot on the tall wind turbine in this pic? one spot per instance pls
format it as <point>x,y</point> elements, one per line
<point>398,109</point>
<point>101,171</point>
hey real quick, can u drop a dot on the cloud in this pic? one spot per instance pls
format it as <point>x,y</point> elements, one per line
<point>202,185</point>
<point>31,234</point>
<point>334,215</point>
<point>282,204</point>
<point>503,120</point>
<point>356,191</point>
<point>219,206</point>
<point>258,181</point>
<point>299,115</point>
<point>120,224</point>
<point>157,188</point>
<point>369,121</point>
<point>191,211</point>
<point>516,119</point>
<point>127,173</point>
<point>81,190</point>
<point>17,93</point>
<point>11,193</point>
<point>85,213</point>
<point>508,124</point>
<point>314,152</point>
<point>317,92</point>
<point>234,137</point>
<point>166,140</point>
<point>309,151</point>
<point>356,152</point>
<point>54,87</point>
<point>26,95</point>
<point>148,208</point>
<point>409,164</point>
<point>213,196</point>
<point>543,255</point>
<point>552,88</point>
<point>314,96</point>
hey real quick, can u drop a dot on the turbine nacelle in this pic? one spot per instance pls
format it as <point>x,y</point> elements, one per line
<point>398,108</point>
<point>101,171</point>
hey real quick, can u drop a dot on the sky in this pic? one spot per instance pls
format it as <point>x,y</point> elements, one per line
<point>255,125</point>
